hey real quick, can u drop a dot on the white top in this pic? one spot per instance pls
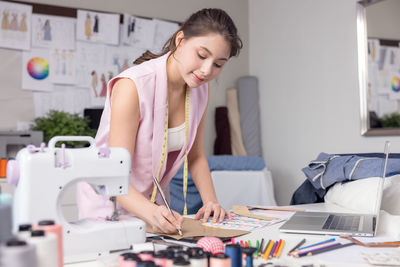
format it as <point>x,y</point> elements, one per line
<point>176,138</point>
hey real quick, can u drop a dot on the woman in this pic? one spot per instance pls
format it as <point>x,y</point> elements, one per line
<point>156,110</point>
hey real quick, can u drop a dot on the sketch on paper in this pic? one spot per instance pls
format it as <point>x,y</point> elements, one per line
<point>15,28</point>
<point>98,27</point>
<point>53,32</point>
<point>122,57</point>
<point>63,66</point>
<point>36,70</point>
<point>138,32</point>
<point>163,31</point>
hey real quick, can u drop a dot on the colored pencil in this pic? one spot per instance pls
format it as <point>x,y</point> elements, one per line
<point>297,246</point>
<point>266,246</point>
<point>260,248</point>
<point>330,243</point>
<point>322,242</point>
<point>278,254</point>
<point>268,249</point>
<point>277,248</point>
<point>325,249</point>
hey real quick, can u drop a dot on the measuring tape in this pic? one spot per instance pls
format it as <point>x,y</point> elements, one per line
<point>164,150</point>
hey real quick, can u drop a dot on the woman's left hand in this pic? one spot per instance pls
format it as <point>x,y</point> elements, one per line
<point>212,209</point>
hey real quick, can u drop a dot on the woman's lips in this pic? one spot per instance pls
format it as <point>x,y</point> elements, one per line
<point>198,78</point>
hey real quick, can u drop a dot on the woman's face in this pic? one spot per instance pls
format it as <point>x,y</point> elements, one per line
<point>201,59</point>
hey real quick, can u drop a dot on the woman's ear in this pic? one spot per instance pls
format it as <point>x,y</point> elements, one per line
<point>179,37</point>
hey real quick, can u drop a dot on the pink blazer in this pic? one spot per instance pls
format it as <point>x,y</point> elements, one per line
<point>150,79</point>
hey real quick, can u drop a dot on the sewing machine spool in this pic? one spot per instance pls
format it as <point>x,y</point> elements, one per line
<point>41,176</point>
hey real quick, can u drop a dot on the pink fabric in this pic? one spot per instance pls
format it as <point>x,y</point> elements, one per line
<point>150,79</point>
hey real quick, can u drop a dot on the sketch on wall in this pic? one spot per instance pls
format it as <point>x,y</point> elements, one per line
<point>63,63</point>
<point>98,27</point>
<point>53,32</point>
<point>15,31</point>
<point>138,32</point>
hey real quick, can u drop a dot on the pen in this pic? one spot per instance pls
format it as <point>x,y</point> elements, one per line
<point>165,201</point>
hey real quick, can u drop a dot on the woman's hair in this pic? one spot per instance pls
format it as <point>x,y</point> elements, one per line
<point>203,22</point>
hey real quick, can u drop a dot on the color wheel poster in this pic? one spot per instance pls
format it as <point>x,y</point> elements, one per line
<point>36,70</point>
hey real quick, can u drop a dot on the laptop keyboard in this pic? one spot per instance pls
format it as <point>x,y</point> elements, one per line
<point>338,222</point>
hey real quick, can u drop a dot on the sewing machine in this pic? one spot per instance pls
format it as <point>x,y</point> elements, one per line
<point>41,176</point>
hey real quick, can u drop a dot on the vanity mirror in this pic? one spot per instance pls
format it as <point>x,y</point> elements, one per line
<point>378,40</point>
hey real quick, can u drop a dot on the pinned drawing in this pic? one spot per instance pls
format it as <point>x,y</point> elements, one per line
<point>53,32</point>
<point>15,28</point>
<point>98,27</point>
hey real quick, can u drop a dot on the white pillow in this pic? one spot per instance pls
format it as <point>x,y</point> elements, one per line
<point>361,195</point>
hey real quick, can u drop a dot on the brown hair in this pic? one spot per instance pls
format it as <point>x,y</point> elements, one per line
<point>207,20</point>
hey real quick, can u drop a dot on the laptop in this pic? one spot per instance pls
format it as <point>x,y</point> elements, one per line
<point>339,223</point>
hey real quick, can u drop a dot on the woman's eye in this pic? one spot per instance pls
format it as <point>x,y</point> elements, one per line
<point>217,65</point>
<point>201,57</point>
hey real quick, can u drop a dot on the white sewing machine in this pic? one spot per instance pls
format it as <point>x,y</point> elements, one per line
<point>41,176</point>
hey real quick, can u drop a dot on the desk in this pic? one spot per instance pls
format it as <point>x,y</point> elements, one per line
<point>272,232</point>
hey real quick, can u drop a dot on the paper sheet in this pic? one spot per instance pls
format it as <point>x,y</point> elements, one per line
<point>193,228</point>
<point>36,70</point>
<point>98,27</point>
<point>138,32</point>
<point>15,31</point>
<point>53,32</point>
<point>238,222</point>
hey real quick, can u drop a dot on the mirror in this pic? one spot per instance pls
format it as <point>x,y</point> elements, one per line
<point>378,40</point>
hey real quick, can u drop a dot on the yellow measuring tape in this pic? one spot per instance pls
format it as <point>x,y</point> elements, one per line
<point>164,150</point>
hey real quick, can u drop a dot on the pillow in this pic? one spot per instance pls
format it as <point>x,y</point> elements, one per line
<point>361,195</point>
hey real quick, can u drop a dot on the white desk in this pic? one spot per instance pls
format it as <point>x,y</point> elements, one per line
<point>272,232</point>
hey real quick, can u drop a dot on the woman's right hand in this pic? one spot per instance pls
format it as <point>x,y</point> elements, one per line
<point>162,221</point>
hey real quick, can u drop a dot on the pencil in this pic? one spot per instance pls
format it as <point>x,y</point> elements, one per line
<point>265,248</point>
<point>315,247</point>
<point>260,248</point>
<point>325,249</point>
<point>277,248</point>
<point>319,243</point>
<point>297,246</point>
<point>268,250</point>
<point>278,254</point>
<point>271,254</point>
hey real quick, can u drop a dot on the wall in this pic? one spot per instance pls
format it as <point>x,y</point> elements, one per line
<point>305,56</point>
<point>17,104</point>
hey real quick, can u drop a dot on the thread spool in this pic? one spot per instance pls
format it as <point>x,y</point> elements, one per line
<point>129,260</point>
<point>199,260</point>
<point>46,248</point>
<point>49,226</point>
<point>5,220</point>
<point>18,253</point>
<point>181,262</point>
<point>249,255</point>
<point>146,255</point>
<point>220,260</point>
<point>234,251</point>
<point>211,244</point>
<point>24,231</point>
<point>160,258</point>
<point>3,168</point>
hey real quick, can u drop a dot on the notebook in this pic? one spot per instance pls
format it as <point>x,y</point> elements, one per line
<point>354,224</point>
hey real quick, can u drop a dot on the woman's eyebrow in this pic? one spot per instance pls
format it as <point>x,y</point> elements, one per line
<point>208,51</point>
